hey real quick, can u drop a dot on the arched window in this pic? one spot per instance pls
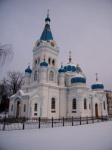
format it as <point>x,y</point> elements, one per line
<point>51,76</point>
<point>74,104</point>
<point>53,103</point>
<point>53,62</point>
<point>49,61</point>
<point>85,104</point>
<point>104,105</point>
<point>35,107</point>
<point>35,76</point>
<point>35,62</point>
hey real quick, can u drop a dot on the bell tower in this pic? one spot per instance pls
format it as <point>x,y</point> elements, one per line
<point>45,46</point>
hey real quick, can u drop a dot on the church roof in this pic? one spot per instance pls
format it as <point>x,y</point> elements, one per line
<point>78,79</point>
<point>46,34</point>
<point>28,70</point>
<point>97,85</point>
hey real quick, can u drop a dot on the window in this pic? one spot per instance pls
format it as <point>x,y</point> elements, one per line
<point>35,62</point>
<point>11,107</point>
<point>35,107</point>
<point>49,61</point>
<point>24,108</point>
<point>35,76</point>
<point>85,104</point>
<point>53,62</point>
<point>51,76</point>
<point>74,104</point>
<point>104,105</point>
<point>53,103</point>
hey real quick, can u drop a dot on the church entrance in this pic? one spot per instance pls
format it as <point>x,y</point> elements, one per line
<point>17,109</point>
<point>96,110</point>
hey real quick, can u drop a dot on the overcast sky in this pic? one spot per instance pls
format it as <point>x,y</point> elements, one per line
<point>83,27</point>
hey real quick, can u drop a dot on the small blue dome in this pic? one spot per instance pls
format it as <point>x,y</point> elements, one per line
<point>78,69</point>
<point>70,68</point>
<point>61,70</point>
<point>78,79</point>
<point>28,70</point>
<point>44,64</point>
<point>97,86</point>
<point>48,19</point>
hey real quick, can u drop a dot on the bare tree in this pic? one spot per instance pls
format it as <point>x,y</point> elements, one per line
<point>8,87</point>
<point>6,54</point>
<point>15,81</point>
<point>4,95</point>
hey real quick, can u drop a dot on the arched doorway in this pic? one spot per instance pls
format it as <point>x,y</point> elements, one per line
<point>96,110</point>
<point>17,109</point>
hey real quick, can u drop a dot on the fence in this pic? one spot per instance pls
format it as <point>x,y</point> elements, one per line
<point>8,124</point>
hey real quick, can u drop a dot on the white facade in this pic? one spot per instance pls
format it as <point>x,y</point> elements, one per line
<point>49,92</point>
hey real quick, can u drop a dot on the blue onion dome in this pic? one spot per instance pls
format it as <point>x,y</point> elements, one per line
<point>44,63</point>
<point>70,66</point>
<point>97,85</point>
<point>47,19</point>
<point>78,68</point>
<point>61,70</point>
<point>78,79</point>
<point>28,70</point>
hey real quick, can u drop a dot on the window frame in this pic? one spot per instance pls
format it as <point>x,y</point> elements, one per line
<point>74,104</point>
<point>53,103</point>
<point>51,75</point>
<point>36,107</point>
<point>85,103</point>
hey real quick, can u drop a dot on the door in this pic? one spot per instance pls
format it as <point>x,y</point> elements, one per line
<point>96,110</point>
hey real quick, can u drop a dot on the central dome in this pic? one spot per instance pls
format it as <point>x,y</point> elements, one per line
<point>70,67</point>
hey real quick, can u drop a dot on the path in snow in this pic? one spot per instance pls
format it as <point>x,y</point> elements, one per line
<point>86,137</point>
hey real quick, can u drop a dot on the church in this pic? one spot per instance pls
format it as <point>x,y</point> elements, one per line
<point>55,92</point>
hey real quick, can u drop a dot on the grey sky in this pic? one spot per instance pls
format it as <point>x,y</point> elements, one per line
<point>83,27</point>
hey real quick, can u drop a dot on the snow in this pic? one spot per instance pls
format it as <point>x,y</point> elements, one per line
<point>96,136</point>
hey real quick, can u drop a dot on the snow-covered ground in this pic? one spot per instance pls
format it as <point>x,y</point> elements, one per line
<point>96,136</point>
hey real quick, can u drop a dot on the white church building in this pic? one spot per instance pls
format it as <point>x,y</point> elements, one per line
<point>52,92</point>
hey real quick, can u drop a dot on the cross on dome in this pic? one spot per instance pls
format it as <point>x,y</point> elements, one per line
<point>61,64</point>
<point>70,59</point>
<point>48,13</point>
<point>96,77</point>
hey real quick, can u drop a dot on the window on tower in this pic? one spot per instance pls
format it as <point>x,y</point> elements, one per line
<point>35,62</point>
<point>49,61</point>
<point>53,62</point>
